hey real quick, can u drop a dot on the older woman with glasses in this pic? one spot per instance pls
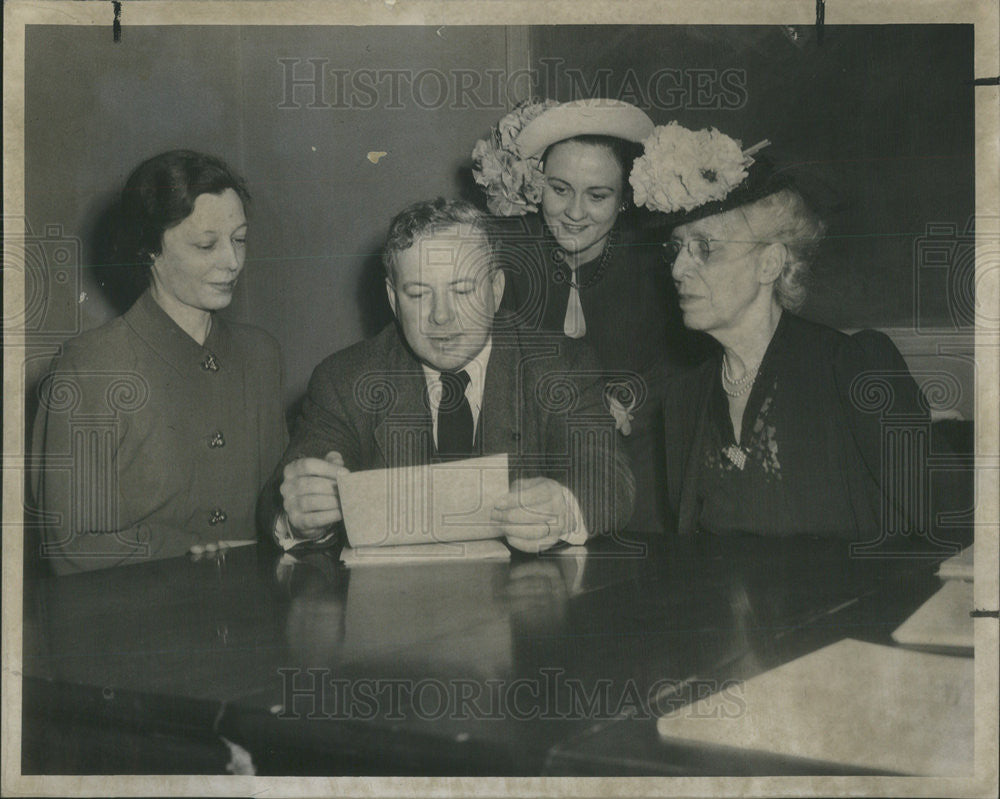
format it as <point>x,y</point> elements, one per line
<point>782,432</point>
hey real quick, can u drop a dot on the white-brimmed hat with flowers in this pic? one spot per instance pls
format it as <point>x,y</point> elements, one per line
<point>508,163</point>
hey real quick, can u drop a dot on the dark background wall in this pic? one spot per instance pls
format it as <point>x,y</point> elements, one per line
<point>876,122</point>
<point>878,118</point>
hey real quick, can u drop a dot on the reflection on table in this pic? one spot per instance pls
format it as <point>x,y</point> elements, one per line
<point>555,664</point>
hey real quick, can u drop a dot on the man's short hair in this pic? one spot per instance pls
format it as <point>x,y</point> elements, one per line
<point>427,217</point>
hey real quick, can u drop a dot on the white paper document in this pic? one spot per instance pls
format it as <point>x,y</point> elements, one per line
<point>423,504</point>
<point>943,620</point>
<point>959,567</point>
<point>853,704</point>
<point>426,553</point>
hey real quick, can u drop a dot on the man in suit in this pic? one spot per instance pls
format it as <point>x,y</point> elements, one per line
<point>453,378</point>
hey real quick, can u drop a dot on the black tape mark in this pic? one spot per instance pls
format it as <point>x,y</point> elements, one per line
<point>820,19</point>
<point>116,26</point>
<point>983,82</point>
<point>985,614</point>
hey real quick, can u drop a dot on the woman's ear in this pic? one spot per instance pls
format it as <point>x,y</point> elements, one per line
<point>499,281</point>
<point>390,291</point>
<point>772,262</point>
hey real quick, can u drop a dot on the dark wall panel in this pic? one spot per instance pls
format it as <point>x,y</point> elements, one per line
<point>877,120</point>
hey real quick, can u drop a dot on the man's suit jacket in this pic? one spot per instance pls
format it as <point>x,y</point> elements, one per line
<point>543,405</point>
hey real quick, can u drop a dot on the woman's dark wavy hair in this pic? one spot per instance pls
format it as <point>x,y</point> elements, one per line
<point>624,152</point>
<point>159,194</point>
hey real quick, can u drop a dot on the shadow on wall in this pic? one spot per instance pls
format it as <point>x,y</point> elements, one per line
<point>112,260</point>
<point>373,307</point>
<point>370,294</point>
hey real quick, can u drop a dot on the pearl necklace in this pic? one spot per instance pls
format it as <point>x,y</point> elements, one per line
<point>741,386</point>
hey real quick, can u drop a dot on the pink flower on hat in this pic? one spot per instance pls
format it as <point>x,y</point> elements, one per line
<point>513,184</point>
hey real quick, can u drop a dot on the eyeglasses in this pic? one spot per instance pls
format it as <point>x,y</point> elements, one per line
<point>700,250</point>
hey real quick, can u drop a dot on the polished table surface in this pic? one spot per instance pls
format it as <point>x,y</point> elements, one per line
<point>542,665</point>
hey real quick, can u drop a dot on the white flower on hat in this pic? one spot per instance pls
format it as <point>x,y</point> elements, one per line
<point>682,169</point>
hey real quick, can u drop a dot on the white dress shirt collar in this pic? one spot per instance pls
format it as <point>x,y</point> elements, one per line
<point>476,369</point>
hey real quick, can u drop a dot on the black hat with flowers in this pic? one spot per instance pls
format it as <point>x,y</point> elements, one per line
<point>763,179</point>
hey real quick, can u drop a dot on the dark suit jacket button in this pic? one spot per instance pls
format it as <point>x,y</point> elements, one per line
<point>515,436</point>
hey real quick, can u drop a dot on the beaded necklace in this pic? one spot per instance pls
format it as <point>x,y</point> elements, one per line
<point>563,274</point>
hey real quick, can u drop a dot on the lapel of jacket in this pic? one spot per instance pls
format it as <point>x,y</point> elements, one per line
<point>688,512</point>
<point>166,338</point>
<point>404,433</point>
<point>500,418</point>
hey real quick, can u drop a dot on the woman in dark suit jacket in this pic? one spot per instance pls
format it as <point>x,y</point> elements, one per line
<point>157,430</point>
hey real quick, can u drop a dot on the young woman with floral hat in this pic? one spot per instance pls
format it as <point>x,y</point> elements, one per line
<point>578,262</point>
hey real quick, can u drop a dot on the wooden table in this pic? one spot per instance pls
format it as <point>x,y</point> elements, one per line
<point>546,665</point>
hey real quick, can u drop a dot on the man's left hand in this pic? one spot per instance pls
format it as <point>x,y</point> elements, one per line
<point>533,515</point>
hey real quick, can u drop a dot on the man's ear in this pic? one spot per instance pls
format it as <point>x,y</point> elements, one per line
<point>499,281</point>
<point>772,262</point>
<point>390,291</point>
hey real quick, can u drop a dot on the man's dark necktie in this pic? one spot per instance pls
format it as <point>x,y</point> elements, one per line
<point>455,428</point>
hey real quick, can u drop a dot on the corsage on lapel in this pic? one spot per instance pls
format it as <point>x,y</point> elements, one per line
<point>621,400</point>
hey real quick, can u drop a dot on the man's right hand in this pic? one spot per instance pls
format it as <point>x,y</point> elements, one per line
<point>309,494</point>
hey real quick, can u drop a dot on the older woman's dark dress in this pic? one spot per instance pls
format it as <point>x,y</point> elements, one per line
<point>633,325</point>
<point>831,435</point>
